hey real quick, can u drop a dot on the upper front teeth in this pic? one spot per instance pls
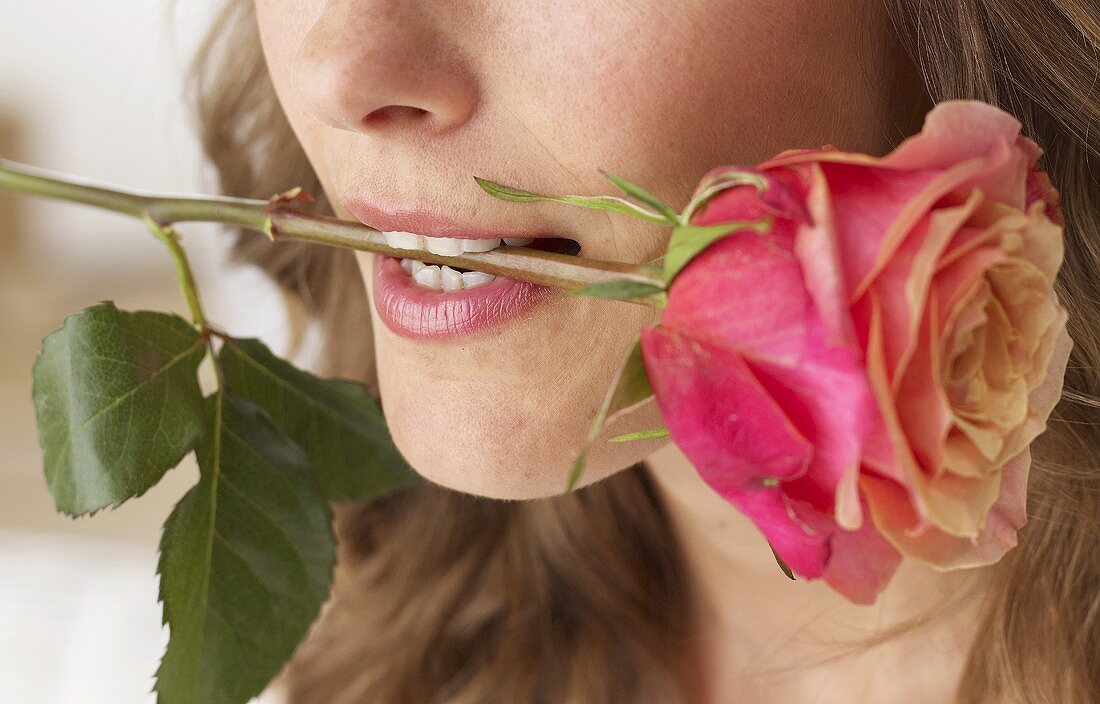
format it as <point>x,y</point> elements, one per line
<point>444,278</point>
<point>403,240</point>
<point>449,246</point>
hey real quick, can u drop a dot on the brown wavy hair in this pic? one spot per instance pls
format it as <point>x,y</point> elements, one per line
<point>583,598</point>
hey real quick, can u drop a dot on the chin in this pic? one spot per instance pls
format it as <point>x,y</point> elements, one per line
<point>495,457</point>
<point>496,470</point>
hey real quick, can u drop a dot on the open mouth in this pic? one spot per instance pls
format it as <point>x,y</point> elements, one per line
<point>440,302</point>
<point>449,279</point>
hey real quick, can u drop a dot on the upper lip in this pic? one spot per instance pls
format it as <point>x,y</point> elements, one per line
<point>424,222</point>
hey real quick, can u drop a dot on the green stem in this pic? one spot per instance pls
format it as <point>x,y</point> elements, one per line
<point>168,236</point>
<point>280,221</point>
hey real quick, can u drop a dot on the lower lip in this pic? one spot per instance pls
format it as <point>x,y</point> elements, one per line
<point>416,312</point>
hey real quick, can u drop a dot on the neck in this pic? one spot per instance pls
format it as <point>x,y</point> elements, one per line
<point>763,638</point>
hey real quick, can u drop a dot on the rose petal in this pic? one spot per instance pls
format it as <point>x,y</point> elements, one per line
<point>887,452</point>
<point>954,131</point>
<point>828,399</point>
<point>783,197</point>
<point>1043,243</point>
<point>874,208</point>
<point>1055,360</point>
<point>956,504</point>
<point>818,254</point>
<point>964,145</point>
<point>861,562</point>
<point>719,414</point>
<point>1039,188</point>
<point>758,306</point>
<point>903,284</point>
<point>922,409</point>
<point>997,535</point>
<point>755,296</point>
<point>736,437</point>
<point>892,511</point>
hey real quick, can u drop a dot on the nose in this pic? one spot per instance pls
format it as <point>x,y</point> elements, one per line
<point>367,65</point>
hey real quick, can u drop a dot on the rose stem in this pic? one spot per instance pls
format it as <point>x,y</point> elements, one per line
<point>284,222</point>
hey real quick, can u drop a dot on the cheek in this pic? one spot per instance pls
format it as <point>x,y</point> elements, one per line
<point>282,25</point>
<point>665,94</point>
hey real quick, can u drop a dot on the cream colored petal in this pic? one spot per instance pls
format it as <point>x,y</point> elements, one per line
<point>962,456</point>
<point>1044,242</point>
<point>996,536</point>
<point>960,503</point>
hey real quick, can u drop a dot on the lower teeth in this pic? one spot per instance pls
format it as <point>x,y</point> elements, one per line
<point>444,278</point>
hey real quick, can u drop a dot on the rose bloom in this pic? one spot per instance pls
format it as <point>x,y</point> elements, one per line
<point>864,380</point>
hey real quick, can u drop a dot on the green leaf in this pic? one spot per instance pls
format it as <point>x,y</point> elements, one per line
<point>629,389</point>
<point>640,194</point>
<point>782,565</point>
<point>609,203</point>
<point>335,420</point>
<point>654,434</point>
<point>118,403</point>
<point>246,560</point>
<point>689,241</point>
<point>620,289</point>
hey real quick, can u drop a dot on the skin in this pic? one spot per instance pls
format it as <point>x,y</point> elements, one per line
<point>406,101</point>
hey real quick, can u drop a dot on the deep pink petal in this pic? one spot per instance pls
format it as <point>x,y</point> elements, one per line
<point>861,562</point>
<point>818,253</point>
<point>1039,187</point>
<point>718,413</point>
<point>746,292</point>
<point>826,394</point>
<point>737,438</point>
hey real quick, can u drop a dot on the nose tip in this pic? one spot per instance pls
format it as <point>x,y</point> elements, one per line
<point>362,70</point>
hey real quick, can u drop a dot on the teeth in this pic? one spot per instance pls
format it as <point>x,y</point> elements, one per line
<point>429,277</point>
<point>447,246</point>
<point>444,278</point>
<point>450,246</point>
<point>403,240</point>
<point>470,279</point>
<point>450,279</point>
<point>411,266</point>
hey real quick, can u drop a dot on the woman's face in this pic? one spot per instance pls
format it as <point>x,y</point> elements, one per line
<point>399,104</point>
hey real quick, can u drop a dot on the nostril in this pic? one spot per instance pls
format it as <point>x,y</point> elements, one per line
<point>389,113</point>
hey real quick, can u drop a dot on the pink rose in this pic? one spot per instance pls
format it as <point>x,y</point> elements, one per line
<point>864,380</point>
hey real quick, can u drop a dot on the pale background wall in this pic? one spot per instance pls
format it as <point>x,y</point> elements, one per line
<point>93,88</point>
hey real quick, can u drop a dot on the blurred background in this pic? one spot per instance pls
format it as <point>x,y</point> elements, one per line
<point>95,89</point>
